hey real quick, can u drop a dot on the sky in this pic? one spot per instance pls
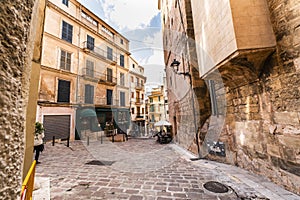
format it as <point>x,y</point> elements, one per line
<point>140,22</point>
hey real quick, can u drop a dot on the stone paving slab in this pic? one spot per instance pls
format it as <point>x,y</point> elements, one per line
<point>143,169</point>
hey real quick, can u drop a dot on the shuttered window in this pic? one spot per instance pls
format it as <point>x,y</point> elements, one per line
<point>122,79</point>
<point>67,32</point>
<point>90,68</point>
<point>89,94</point>
<point>90,42</point>
<point>122,60</point>
<point>65,60</point>
<point>109,97</point>
<point>63,91</point>
<point>66,2</point>
<point>109,75</point>
<point>213,98</point>
<point>122,98</point>
<point>109,53</point>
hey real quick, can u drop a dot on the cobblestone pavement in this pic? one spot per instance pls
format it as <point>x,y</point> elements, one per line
<point>142,169</point>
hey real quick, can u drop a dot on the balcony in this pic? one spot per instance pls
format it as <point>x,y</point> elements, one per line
<point>100,101</point>
<point>138,101</point>
<point>105,101</point>
<point>101,78</point>
<point>139,86</point>
<point>139,116</point>
<point>100,53</point>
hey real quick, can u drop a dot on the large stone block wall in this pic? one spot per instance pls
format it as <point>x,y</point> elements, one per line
<point>262,126</point>
<point>15,16</point>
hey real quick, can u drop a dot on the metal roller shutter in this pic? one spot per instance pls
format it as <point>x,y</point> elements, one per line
<point>56,125</point>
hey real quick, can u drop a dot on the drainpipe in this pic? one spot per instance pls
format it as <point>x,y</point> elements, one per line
<point>77,82</point>
<point>78,63</point>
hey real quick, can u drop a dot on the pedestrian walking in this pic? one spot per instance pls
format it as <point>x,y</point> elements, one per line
<point>38,140</point>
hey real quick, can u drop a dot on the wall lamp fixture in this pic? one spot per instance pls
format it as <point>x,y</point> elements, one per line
<point>175,65</point>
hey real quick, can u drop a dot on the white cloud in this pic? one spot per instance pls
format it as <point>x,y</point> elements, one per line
<point>156,44</point>
<point>130,14</point>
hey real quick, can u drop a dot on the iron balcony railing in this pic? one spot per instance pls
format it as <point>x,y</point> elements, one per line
<point>138,100</point>
<point>139,115</point>
<point>139,85</point>
<point>99,52</point>
<point>100,101</point>
<point>101,77</point>
<point>105,101</point>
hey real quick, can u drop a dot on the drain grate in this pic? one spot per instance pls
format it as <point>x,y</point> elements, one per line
<point>100,162</point>
<point>215,187</point>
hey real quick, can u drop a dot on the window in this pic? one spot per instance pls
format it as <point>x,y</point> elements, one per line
<point>122,98</point>
<point>142,82</point>
<point>63,94</point>
<point>109,75</point>
<point>66,2</point>
<point>138,110</point>
<point>152,108</point>
<point>132,94</point>
<point>133,66</point>
<point>142,96</point>
<point>143,110</point>
<point>151,100</point>
<point>132,110</point>
<point>67,32</point>
<point>89,94</point>
<point>121,41</point>
<point>213,98</point>
<point>132,79</point>
<point>152,118</point>
<point>158,98</point>
<point>109,53</point>
<point>122,60</point>
<point>89,18</point>
<point>109,97</point>
<point>89,68</point>
<point>90,42</point>
<point>108,32</point>
<point>65,60</point>
<point>122,79</point>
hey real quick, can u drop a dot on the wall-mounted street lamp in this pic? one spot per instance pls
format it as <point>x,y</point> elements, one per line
<point>175,65</point>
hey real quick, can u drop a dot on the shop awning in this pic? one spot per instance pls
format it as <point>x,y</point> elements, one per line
<point>88,113</point>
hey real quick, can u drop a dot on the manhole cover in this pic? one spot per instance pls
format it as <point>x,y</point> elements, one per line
<point>98,162</point>
<point>215,187</point>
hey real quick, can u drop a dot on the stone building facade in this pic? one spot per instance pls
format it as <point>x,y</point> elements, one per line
<point>158,109</point>
<point>247,56</point>
<point>20,46</point>
<point>83,80</point>
<point>136,81</point>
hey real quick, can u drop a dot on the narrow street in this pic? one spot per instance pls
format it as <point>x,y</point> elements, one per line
<point>142,169</point>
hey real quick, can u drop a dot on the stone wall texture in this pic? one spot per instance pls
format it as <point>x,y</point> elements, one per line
<point>15,17</point>
<point>261,127</point>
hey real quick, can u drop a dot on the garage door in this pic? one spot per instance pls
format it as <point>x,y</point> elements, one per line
<point>56,125</point>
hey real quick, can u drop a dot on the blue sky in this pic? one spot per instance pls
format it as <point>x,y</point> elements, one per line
<point>140,22</point>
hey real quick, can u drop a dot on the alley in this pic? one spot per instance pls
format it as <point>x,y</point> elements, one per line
<point>141,169</point>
